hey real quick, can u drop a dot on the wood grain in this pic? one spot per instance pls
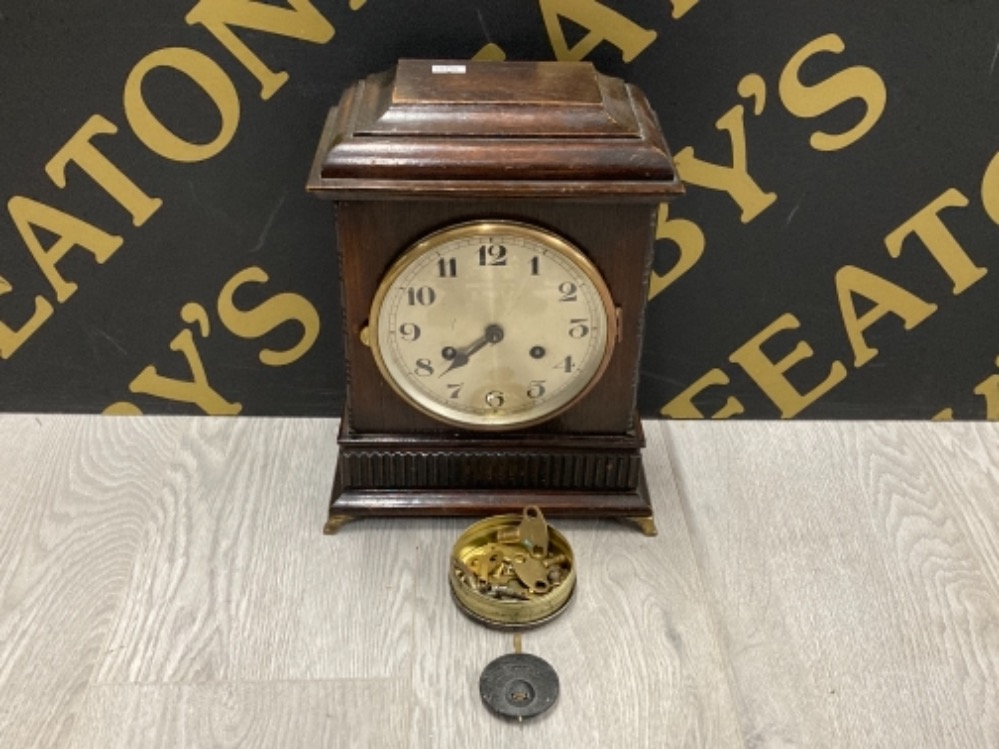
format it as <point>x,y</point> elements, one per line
<point>235,580</point>
<point>329,714</point>
<point>853,596</point>
<point>74,496</point>
<point>165,582</point>
<point>635,652</point>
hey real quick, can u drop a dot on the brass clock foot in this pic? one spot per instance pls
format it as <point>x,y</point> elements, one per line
<point>335,523</point>
<point>647,525</point>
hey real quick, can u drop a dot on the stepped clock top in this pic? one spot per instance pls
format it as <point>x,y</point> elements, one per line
<point>545,129</point>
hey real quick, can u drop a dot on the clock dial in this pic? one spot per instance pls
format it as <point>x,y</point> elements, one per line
<point>492,325</point>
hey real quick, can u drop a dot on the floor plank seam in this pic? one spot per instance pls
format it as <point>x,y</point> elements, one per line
<point>248,682</point>
<point>710,605</point>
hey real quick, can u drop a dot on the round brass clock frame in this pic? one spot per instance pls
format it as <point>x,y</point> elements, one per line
<point>532,410</point>
<point>479,540</point>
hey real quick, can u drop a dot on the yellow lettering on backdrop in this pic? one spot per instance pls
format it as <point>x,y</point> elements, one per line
<point>203,71</point>
<point>71,231</point>
<point>122,408</point>
<point>82,152</point>
<point>753,87</point>
<point>812,101</point>
<point>683,407</point>
<point>267,316</point>
<point>491,52</point>
<point>682,7</point>
<point>989,390</point>
<point>887,298</point>
<point>688,237</point>
<point>299,21</point>
<point>602,23</point>
<point>734,179</point>
<point>11,340</point>
<point>931,231</point>
<point>990,189</point>
<point>771,376</point>
<point>197,391</point>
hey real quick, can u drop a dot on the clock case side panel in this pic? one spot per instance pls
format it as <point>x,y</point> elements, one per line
<point>617,238</point>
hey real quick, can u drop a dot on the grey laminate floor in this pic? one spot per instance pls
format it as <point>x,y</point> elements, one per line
<point>164,583</point>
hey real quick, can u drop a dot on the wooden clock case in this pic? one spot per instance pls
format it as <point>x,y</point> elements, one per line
<point>430,144</point>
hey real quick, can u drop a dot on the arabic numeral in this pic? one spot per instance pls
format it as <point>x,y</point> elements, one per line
<point>568,291</point>
<point>409,331</point>
<point>566,365</point>
<point>423,368</point>
<point>447,267</point>
<point>578,327</point>
<point>537,389</point>
<point>493,254</point>
<point>423,296</point>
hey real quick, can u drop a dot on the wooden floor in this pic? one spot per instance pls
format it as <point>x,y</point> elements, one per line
<point>164,583</point>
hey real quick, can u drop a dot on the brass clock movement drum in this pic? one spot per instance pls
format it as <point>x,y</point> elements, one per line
<point>495,226</point>
<point>512,571</point>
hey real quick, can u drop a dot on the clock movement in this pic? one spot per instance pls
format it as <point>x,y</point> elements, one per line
<point>495,225</point>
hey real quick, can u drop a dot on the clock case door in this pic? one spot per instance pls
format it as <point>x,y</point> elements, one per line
<point>430,144</point>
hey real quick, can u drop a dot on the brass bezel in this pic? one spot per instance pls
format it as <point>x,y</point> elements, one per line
<point>431,242</point>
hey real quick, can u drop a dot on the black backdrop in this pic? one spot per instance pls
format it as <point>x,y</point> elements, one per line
<point>835,257</point>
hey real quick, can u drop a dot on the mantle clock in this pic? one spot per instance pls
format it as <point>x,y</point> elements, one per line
<point>495,223</point>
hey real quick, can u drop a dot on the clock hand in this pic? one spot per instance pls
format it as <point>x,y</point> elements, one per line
<point>493,334</point>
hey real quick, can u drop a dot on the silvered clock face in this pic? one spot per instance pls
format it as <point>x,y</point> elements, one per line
<point>492,325</point>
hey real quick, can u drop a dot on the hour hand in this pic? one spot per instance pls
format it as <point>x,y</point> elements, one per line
<point>461,357</point>
<point>458,358</point>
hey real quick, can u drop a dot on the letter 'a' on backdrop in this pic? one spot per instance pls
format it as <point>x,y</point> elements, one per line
<point>833,256</point>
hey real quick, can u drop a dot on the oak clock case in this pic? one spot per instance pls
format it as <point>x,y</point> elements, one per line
<point>494,226</point>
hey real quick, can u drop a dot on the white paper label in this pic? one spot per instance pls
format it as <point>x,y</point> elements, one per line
<point>448,69</point>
